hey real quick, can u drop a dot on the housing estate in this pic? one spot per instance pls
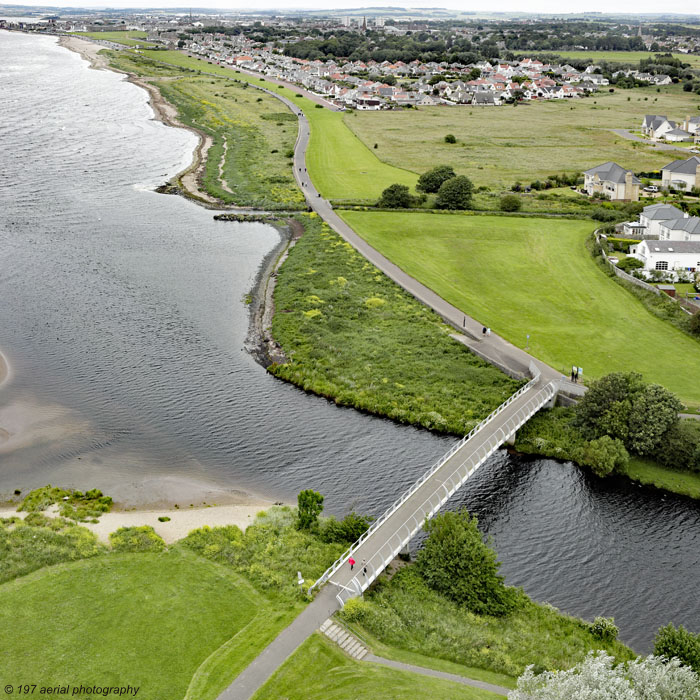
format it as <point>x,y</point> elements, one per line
<point>659,126</point>
<point>682,174</point>
<point>613,182</point>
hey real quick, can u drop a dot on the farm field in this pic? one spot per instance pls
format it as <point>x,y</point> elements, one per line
<point>145,619</point>
<point>319,670</point>
<point>523,276</point>
<point>130,38</point>
<point>624,56</point>
<point>340,166</point>
<point>497,146</point>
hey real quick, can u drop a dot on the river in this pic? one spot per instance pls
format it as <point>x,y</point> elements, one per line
<point>124,322</point>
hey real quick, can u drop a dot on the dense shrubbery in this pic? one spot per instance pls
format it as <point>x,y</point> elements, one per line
<point>599,678</point>
<point>430,181</point>
<point>629,264</point>
<point>604,456</point>
<point>40,541</point>
<point>142,538</point>
<point>455,193</point>
<point>510,203</point>
<point>346,531</point>
<point>269,553</point>
<point>457,563</point>
<point>621,405</point>
<point>396,197</point>
<point>675,642</point>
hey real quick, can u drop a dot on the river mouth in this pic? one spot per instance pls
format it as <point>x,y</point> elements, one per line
<point>124,322</point>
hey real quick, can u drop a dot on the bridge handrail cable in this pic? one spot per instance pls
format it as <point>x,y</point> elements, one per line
<point>535,373</point>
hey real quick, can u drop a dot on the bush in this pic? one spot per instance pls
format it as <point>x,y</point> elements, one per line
<point>395,197</point>
<point>694,324</point>
<point>622,406</point>
<point>605,629</point>
<point>433,179</point>
<point>604,456</point>
<point>136,539</point>
<point>510,203</point>
<point>455,193</point>
<point>679,643</point>
<point>450,138</point>
<point>457,563</point>
<point>163,519</point>
<point>602,214</point>
<point>680,448</point>
<point>629,264</point>
<point>622,244</point>
<point>347,530</point>
<point>355,610</point>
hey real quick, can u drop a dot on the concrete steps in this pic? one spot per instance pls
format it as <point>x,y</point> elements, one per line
<point>348,642</point>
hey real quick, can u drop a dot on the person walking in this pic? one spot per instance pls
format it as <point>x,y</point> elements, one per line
<point>572,374</point>
<point>351,561</point>
<point>483,331</point>
<point>364,567</point>
<point>576,376</point>
<point>488,332</point>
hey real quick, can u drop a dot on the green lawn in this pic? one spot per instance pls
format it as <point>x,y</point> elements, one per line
<point>357,338</point>
<point>340,165</point>
<point>149,620</point>
<point>624,56</point>
<point>496,147</point>
<point>648,472</point>
<point>535,276</point>
<point>320,670</point>
<point>127,38</point>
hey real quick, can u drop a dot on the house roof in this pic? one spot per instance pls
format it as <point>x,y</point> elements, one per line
<point>677,132</point>
<point>672,246</point>
<point>686,167</point>
<point>611,172</point>
<point>662,212</point>
<point>690,224</point>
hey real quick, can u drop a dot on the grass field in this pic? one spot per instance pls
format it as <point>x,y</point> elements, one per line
<point>535,276</point>
<point>624,56</point>
<point>130,38</point>
<point>497,146</point>
<point>252,132</point>
<point>340,165</point>
<point>149,620</point>
<point>319,670</point>
<point>357,338</point>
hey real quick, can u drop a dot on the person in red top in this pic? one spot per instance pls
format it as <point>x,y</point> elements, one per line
<point>351,561</point>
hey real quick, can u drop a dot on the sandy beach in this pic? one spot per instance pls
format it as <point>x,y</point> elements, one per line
<point>182,520</point>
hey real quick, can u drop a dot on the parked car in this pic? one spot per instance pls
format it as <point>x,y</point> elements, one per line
<point>651,188</point>
<point>694,150</point>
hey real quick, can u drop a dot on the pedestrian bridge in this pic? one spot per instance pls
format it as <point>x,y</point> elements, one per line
<point>388,535</point>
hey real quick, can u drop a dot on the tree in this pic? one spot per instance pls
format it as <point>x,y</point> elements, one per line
<point>679,643</point>
<point>622,406</point>
<point>694,324</point>
<point>431,181</point>
<point>309,507</point>
<point>604,456</point>
<point>450,138</point>
<point>455,193</point>
<point>596,678</point>
<point>395,197</point>
<point>510,203</point>
<point>457,563</point>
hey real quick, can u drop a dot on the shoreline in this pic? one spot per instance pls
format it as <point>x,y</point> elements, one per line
<point>182,520</point>
<point>186,181</point>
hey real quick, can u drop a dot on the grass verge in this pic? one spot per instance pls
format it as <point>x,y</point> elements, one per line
<point>354,336</point>
<point>528,276</point>
<point>319,669</point>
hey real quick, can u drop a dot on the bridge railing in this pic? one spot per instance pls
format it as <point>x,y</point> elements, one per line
<point>534,372</point>
<point>407,529</point>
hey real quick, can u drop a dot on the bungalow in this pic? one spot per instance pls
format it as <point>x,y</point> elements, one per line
<point>682,174</point>
<point>667,256</point>
<point>613,181</point>
<point>677,135</point>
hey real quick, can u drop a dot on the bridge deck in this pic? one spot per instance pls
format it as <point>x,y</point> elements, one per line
<point>394,530</point>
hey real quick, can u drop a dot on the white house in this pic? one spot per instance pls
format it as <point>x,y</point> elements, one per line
<point>683,229</point>
<point>676,135</point>
<point>682,174</point>
<point>654,215</point>
<point>667,256</point>
<point>613,181</point>
<point>656,125</point>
